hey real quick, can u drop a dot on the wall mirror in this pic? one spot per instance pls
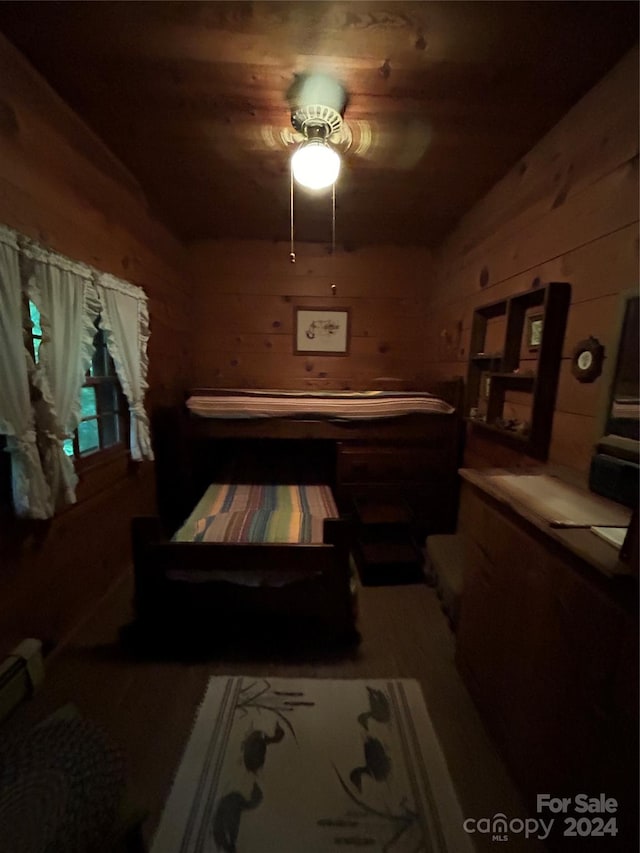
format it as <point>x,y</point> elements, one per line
<point>622,414</point>
<point>614,465</point>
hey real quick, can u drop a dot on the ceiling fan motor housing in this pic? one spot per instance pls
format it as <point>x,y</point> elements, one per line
<point>316,121</point>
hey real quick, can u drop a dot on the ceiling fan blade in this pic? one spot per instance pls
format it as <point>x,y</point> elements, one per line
<point>400,144</point>
<point>399,147</point>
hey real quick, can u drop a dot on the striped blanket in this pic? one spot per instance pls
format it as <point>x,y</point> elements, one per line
<point>334,405</point>
<point>259,513</point>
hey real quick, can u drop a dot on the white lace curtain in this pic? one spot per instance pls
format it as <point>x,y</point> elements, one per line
<point>125,321</point>
<point>70,296</point>
<point>31,494</point>
<point>68,306</point>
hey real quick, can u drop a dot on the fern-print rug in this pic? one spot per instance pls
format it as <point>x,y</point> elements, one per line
<point>279,765</point>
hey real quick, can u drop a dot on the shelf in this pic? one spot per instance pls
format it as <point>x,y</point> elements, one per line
<point>522,377</point>
<point>493,310</point>
<point>530,298</point>
<point>508,435</point>
<point>480,356</point>
<point>518,381</point>
<point>487,389</point>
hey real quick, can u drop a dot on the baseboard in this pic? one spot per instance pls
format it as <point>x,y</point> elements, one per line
<point>20,675</point>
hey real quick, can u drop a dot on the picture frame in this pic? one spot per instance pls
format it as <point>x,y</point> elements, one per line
<point>534,330</point>
<point>485,384</point>
<point>321,331</point>
<point>484,391</point>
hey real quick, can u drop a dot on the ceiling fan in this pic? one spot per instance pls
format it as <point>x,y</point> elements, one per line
<point>318,103</point>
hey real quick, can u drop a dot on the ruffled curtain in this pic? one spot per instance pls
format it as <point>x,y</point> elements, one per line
<point>65,296</point>
<point>125,322</point>
<point>40,403</point>
<point>31,493</point>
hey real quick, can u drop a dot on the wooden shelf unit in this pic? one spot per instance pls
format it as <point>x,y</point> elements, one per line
<point>502,368</point>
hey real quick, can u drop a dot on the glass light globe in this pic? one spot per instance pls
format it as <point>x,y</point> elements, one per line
<point>315,165</point>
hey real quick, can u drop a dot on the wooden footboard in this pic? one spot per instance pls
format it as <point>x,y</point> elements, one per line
<point>186,587</point>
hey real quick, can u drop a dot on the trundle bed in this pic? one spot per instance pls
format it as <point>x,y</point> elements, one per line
<point>266,548</point>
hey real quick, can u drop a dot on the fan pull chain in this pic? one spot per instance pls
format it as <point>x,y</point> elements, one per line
<point>292,254</point>
<point>333,234</point>
<point>333,219</point>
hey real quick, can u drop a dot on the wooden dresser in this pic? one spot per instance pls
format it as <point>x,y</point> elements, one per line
<point>548,646</point>
<point>420,473</point>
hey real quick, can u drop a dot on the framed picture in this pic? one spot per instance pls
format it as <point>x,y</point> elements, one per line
<point>534,331</point>
<point>323,331</point>
<point>483,392</point>
<point>485,384</point>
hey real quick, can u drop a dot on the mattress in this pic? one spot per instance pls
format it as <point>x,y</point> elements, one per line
<point>333,405</point>
<point>292,513</point>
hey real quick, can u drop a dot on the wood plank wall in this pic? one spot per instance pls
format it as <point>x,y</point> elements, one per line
<point>568,211</point>
<point>61,186</point>
<point>246,293</point>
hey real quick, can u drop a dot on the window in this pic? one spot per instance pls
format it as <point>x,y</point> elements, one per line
<point>102,405</point>
<point>36,330</point>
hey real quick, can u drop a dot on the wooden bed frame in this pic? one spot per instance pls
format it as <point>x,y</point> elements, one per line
<point>318,603</point>
<point>193,451</point>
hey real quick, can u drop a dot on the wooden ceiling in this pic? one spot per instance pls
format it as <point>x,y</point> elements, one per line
<point>443,99</point>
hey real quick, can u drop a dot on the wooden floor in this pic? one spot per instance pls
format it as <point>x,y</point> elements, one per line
<point>148,706</point>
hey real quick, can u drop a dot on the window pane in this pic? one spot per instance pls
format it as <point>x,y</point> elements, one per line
<point>88,405</point>
<point>107,397</point>
<point>99,363</point>
<point>36,349</point>
<point>35,318</point>
<point>88,438</point>
<point>67,446</point>
<point>110,430</point>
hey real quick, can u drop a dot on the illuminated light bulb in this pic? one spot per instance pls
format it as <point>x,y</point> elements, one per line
<point>315,165</point>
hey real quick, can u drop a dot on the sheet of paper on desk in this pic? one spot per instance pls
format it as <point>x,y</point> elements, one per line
<point>613,535</point>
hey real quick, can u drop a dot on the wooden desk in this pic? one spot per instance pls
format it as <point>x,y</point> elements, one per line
<point>578,540</point>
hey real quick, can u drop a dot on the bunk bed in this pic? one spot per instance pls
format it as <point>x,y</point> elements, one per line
<point>249,541</point>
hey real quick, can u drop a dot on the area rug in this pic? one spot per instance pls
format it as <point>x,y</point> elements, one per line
<point>312,765</point>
